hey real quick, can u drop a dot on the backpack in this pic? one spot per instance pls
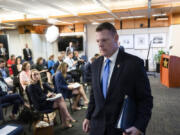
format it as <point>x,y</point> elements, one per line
<point>27,115</point>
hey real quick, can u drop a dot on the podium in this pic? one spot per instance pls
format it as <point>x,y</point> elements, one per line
<point>170,71</point>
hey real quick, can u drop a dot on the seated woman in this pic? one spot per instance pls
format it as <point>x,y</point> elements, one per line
<point>7,96</point>
<point>45,75</point>
<point>17,67</point>
<point>61,86</point>
<point>39,95</point>
<point>25,80</point>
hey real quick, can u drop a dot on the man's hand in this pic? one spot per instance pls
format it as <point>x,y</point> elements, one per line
<point>132,131</point>
<point>86,125</point>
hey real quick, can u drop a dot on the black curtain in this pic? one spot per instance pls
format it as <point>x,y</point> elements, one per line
<point>4,41</point>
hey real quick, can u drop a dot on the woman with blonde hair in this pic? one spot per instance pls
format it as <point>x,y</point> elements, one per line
<point>61,86</point>
<point>51,64</point>
<point>39,94</point>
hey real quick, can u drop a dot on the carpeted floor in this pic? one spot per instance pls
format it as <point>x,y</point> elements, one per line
<point>165,117</point>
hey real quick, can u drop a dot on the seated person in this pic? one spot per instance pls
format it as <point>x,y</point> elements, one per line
<point>7,96</point>
<point>72,67</point>
<point>51,64</point>
<point>10,62</point>
<point>17,67</point>
<point>45,75</point>
<point>5,73</point>
<point>39,94</point>
<point>87,70</point>
<point>67,90</point>
<point>60,60</point>
<point>25,80</point>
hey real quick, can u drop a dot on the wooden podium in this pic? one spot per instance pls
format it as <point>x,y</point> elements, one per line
<point>170,71</point>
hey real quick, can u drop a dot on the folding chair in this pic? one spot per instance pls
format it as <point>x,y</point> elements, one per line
<point>46,111</point>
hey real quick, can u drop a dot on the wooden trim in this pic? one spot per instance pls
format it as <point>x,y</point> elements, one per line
<point>92,13</point>
<point>175,18</point>
<point>129,9</point>
<point>117,24</point>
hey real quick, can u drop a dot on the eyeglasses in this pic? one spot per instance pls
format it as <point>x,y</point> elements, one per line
<point>35,74</point>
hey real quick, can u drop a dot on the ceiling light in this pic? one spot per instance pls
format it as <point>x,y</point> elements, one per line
<point>52,21</point>
<point>95,23</point>
<point>159,14</point>
<point>128,17</point>
<point>161,18</point>
<point>105,19</point>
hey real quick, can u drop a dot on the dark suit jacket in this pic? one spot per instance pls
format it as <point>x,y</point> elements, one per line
<point>25,53</point>
<point>128,77</point>
<point>69,50</point>
<point>38,96</point>
<point>61,85</point>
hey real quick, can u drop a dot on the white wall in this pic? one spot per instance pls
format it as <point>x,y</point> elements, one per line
<point>175,40</point>
<point>142,53</point>
<point>93,48</point>
<point>40,47</point>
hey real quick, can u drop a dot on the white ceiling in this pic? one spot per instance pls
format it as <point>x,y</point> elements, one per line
<point>20,9</point>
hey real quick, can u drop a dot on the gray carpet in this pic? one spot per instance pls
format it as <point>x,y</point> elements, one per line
<point>165,117</point>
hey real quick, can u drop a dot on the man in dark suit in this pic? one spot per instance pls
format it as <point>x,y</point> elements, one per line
<point>70,48</point>
<point>114,75</point>
<point>27,53</point>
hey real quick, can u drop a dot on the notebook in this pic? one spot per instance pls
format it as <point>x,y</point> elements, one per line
<point>127,115</point>
<point>59,95</point>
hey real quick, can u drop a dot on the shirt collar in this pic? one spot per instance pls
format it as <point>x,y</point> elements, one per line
<point>113,57</point>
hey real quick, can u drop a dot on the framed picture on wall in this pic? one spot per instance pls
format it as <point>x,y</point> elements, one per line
<point>141,41</point>
<point>158,39</point>
<point>126,41</point>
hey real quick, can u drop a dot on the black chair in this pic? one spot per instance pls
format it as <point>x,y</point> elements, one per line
<point>46,111</point>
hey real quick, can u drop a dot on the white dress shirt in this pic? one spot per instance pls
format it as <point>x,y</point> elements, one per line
<point>112,64</point>
<point>70,63</point>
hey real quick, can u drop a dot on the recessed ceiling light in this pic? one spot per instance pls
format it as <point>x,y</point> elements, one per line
<point>95,23</point>
<point>159,14</point>
<point>128,17</point>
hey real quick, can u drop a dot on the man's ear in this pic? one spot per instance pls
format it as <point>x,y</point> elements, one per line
<point>116,37</point>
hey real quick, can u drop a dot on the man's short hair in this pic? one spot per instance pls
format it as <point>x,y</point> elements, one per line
<point>106,26</point>
<point>2,60</point>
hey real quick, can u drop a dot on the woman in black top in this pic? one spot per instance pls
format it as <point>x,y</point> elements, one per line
<point>45,75</point>
<point>17,67</point>
<point>39,94</point>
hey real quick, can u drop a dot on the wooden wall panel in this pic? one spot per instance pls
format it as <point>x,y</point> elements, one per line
<point>176,18</point>
<point>1,32</point>
<point>141,23</point>
<point>117,24</point>
<point>26,29</point>
<point>128,24</point>
<point>163,23</point>
<point>40,29</point>
<point>66,29</point>
<point>79,27</point>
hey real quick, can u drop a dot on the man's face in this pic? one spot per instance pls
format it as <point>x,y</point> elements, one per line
<point>107,42</point>
<point>2,65</point>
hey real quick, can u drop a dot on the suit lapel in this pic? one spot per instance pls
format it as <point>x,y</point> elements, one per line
<point>99,67</point>
<point>116,72</point>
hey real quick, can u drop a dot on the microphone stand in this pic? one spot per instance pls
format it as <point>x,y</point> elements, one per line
<point>147,61</point>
